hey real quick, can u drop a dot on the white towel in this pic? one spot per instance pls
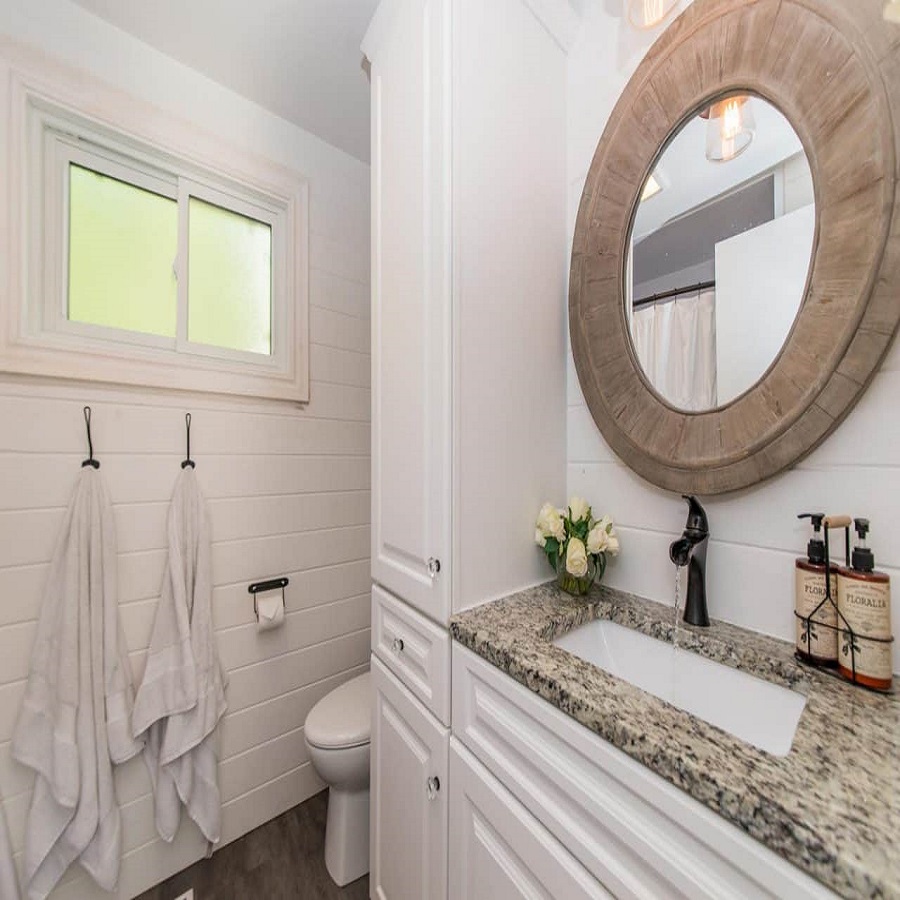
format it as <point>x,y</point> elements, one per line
<point>182,695</point>
<point>75,717</point>
<point>9,882</point>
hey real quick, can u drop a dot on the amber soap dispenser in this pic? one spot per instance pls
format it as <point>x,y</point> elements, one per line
<point>815,613</point>
<point>864,607</point>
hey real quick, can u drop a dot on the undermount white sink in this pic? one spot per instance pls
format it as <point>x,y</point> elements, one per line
<point>756,711</point>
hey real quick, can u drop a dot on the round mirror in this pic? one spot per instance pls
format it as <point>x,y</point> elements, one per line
<point>720,252</point>
<point>849,308</point>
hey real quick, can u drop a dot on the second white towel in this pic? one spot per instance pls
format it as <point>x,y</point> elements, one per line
<point>182,695</point>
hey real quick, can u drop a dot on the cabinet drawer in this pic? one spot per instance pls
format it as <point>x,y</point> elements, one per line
<point>416,650</point>
<point>498,850</point>
<point>640,836</point>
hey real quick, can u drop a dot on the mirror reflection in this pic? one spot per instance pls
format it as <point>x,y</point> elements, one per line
<point>720,252</point>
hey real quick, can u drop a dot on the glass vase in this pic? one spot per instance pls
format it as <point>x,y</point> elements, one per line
<point>579,585</point>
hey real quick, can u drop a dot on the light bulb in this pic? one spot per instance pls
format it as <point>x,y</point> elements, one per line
<point>644,14</point>
<point>730,130</point>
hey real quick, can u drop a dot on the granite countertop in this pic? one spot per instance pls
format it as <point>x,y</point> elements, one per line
<point>831,806</point>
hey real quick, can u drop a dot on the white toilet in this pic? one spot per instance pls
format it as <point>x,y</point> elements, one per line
<point>337,733</point>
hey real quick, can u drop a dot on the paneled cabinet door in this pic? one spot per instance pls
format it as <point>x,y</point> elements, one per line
<point>408,795</point>
<point>411,328</point>
<point>498,850</point>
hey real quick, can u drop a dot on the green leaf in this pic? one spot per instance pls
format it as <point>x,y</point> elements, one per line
<point>551,548</point>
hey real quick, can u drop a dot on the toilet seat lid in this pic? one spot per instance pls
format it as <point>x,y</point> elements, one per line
<point>342,718</point>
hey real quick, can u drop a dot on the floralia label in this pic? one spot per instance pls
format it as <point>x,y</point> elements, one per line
<point>821,641</point>
<point>866,608</point>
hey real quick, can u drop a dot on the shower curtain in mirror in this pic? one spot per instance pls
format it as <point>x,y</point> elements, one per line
<point>676,346</point>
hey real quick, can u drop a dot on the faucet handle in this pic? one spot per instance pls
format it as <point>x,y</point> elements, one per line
<point>696,520</point>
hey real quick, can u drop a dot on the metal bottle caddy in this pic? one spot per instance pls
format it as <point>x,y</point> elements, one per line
<point>848,639</point>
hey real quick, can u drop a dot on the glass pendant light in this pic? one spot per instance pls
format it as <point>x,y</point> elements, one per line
<point>645,14</point>
<point>892,11</point>
<point>730,130</point>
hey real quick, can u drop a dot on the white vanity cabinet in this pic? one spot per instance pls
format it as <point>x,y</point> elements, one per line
<point>638,836</point>
<point>469,264</point>
<point>498,850</point>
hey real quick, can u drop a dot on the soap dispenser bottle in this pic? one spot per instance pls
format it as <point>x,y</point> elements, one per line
<point>814,644</point>
<point>864,605</point>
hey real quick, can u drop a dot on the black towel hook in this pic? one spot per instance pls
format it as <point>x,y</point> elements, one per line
<point>188,462</point>
<point>90,461</point>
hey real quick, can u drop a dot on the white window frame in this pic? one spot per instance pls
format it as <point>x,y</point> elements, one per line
<point>57,121</point>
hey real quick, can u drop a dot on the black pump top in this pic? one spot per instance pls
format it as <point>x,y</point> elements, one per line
<point>863,557</point>
<point>815,549</point>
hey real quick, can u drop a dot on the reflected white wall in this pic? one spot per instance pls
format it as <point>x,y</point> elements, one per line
<point>760,278</point>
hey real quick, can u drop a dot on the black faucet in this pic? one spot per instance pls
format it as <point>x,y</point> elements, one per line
<point>690,550</point>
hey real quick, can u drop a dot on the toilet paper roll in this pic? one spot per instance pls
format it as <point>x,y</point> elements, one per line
<point>269,611</point>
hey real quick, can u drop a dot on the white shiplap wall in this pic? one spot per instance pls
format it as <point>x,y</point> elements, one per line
<point>288,488</point>
<point>755,533</point>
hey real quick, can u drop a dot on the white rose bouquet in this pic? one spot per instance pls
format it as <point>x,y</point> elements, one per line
<point>576,543</point>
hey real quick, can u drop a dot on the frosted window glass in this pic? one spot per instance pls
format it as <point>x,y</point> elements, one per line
<point>122,246</point>
<point>229,279</point>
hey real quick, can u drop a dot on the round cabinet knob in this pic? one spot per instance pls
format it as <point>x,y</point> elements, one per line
<point>434,566</point>
<point>432,786</point>
<point>397,645</point>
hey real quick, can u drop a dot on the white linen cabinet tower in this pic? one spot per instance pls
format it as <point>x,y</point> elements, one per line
<point>469,267</point>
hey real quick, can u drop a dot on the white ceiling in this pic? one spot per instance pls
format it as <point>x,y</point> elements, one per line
<point>690,180</point>
<point>298,58</point>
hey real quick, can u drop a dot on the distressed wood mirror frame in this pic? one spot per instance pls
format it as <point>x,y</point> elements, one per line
<point>833,68</point>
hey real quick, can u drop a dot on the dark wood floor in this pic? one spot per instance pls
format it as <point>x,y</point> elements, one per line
<point>282,860</point>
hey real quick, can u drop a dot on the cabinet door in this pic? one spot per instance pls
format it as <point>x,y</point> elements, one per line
<point>411,327</point>
<point>498,850</point>
<point>408,795</point>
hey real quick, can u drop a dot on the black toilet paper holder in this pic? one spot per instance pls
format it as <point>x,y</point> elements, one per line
<point>260,587</point>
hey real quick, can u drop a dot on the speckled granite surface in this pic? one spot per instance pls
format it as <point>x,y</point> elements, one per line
<point>831,806</point>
